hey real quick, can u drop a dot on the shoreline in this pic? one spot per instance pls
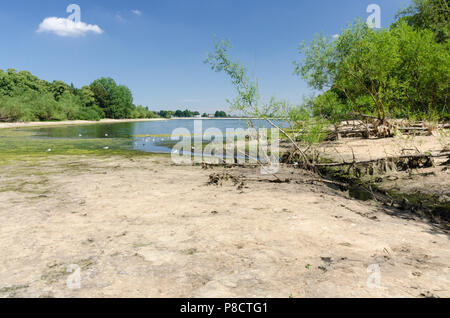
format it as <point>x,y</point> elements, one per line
<point>73,122</point>
<point>5,125</point>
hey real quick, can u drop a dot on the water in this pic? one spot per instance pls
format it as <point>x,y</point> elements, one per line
<point>151,136</point>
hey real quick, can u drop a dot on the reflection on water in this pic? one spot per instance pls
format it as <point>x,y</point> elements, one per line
<point>151,136</point>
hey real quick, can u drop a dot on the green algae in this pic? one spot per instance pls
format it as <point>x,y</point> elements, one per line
<point>23,144</point>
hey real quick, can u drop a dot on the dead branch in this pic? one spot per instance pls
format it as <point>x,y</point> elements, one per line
<point>416,156</point>
<point>305,158</point>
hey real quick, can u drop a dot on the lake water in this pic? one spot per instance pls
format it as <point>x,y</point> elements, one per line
<point>151,136</point>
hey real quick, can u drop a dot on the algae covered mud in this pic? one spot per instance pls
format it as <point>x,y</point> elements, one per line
<point>136,138</point>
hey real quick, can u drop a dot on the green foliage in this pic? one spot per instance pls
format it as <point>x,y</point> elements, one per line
<point>220,114</point>
<point>58,88</point>
<point>428,14</point>
<point>392,72</point>
<point>422,77</point>
<point>115,100</point>
<point>166,114</point>
<point>330,106</point>
<point>24,97</point>
<point>143,112</point>
<point>308,129</point>
<point>185,114</point>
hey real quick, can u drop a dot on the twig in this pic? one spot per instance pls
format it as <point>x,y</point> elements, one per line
<point>305,158</point>
<point>443,154</point>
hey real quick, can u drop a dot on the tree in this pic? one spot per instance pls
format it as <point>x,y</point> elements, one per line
<point>220,114</point>
<point>395,71</point>
<point>101,96</point>
<point>87,96</point>
<point>428,14</point>
<point>329,106</point>
<point>115,100</point>
<point>58,88</point>
<point>166,114</point>
<point>121,102</point>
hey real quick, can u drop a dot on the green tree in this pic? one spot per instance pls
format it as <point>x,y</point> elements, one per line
<point>220,114</point>
<point>115,100</point>
<point>58,88</point>
<point>428,14</point>
<point>395,71</point>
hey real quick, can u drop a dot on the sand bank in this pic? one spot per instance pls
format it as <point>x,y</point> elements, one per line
<point>142,227</point>
<point>72,122</point>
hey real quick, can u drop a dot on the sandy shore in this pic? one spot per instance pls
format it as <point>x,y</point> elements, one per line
<point>72,122</point>
<point>143,227</point>
<point>103,121</point>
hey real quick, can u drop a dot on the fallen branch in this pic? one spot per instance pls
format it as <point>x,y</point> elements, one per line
<point>305,158</point>
<point>417,156</point>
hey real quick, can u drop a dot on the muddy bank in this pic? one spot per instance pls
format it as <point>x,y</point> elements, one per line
<point>142,227</point>
<point>420,185</point>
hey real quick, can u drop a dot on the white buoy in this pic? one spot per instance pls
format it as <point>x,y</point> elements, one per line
<point>49,150</point>
<point>80,135</point>
<point>106,148</point>
<point>106,135</point>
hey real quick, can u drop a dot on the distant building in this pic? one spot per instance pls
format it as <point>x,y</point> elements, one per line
<point>198,116</point>
<point>211,116</point>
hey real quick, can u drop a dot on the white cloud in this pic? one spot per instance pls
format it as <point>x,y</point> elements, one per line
<point>336,36</point>
<point>120,18</point>
<point>67,28</point>
<point>136,12</point>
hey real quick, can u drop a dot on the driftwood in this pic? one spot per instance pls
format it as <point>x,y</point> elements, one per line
<point>416,156</point>
<point>306,161</point>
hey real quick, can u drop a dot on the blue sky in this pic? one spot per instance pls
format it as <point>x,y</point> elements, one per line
<point>159,51</point>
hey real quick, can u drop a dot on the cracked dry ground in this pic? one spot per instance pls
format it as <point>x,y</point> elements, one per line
<point>143,227</point>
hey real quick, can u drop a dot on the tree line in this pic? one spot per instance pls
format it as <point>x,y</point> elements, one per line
<point>189,114</point>
<point>25,97</point>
